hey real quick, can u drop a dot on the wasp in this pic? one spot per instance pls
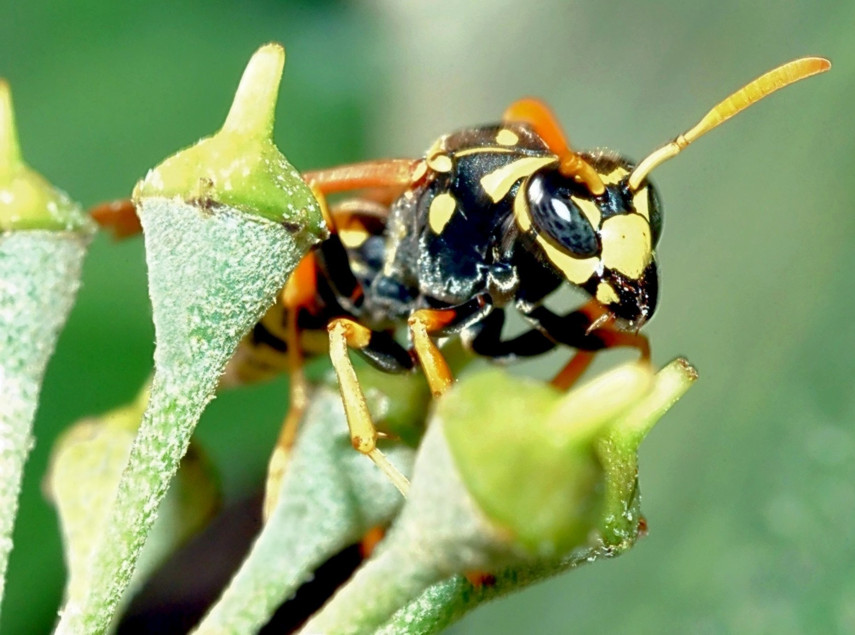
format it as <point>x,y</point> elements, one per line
<point>492,218</point>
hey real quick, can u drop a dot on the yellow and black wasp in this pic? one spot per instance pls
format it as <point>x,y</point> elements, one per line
<point>491,218</point>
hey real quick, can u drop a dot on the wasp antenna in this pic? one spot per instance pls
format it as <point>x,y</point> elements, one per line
<point>751,93</point>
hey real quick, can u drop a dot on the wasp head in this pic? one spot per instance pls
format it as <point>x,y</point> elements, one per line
<point>603,243</point>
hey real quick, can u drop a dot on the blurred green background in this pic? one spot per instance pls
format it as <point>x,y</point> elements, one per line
<point>749,485</point>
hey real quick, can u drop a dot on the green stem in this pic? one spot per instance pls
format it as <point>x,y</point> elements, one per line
<point>39,277</point>
<point>439,532</point>
<point>211,276</point>
<point>330,497</point>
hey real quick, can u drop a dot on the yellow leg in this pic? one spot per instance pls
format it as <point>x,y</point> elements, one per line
<point>422,323</point>
<point>346,333</point>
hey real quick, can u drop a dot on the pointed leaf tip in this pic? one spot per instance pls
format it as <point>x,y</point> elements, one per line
<point>254,106</point>
<point>669,385</point>
<point>27,200</point>
<point>10,151</point>
<point>584,411</point>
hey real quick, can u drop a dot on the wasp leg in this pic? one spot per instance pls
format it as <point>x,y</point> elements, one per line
<point>372,538</point>
<point>390,175</point>
<point>118,217</point>
<point>573,370</point>
<point>299,401</point>
<point>488,342</point>
<point>426,322</point>
<point>574,330</point>
<point>567,377</point>
<point>346,333</point>
<point>536,114</point>
<point>422,322</point>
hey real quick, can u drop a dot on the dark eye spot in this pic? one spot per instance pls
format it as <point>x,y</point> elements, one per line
<point>554,214</point>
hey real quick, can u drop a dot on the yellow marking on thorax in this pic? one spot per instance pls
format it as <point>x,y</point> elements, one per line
<point>353,238</point>
<point>437,147</point>
<point>499,182</point>
<point>606,294</point>
<point>615,176</point>
<point>507,137</point>
<point>576,270</point>
<point>626,244</point>
<point>440,212</point>
<point>440,163</point>
<point>641,203</point>
<point>483,150</point>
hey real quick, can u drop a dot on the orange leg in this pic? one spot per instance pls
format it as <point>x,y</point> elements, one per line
<point>370,540</point>
<point>119,217</point>
<point>612,338</point>
<point>299,293</point>
<point>536,114</point>
<point>394,174</point>
<point>573,370</point>
<point>299,401</point>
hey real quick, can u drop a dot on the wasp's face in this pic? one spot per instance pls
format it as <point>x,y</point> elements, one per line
<point>604,244</point>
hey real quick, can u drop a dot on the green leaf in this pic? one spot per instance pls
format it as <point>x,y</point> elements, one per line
<point>213,271</point>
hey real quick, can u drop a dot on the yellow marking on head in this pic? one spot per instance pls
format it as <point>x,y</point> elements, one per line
<point>589,209</point>
<point>640,201</point>
<point>606,294</point>
<point>440,163</point>
<point>353,238</point>
<point>615,176</point>
<point>626,244</point>
<point>441,210</point>
<point>507,137</point>
<point>499,182</point>
<point>576,270</point>
<point>522,214</point>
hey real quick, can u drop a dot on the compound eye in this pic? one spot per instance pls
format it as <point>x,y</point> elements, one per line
<point>555,214</point>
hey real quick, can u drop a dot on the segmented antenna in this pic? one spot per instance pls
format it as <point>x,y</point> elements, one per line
<point>751,93</point>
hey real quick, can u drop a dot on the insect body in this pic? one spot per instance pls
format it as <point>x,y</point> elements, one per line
<point>492,217</point>
<point>503,215</point>
<point>495,220</point>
